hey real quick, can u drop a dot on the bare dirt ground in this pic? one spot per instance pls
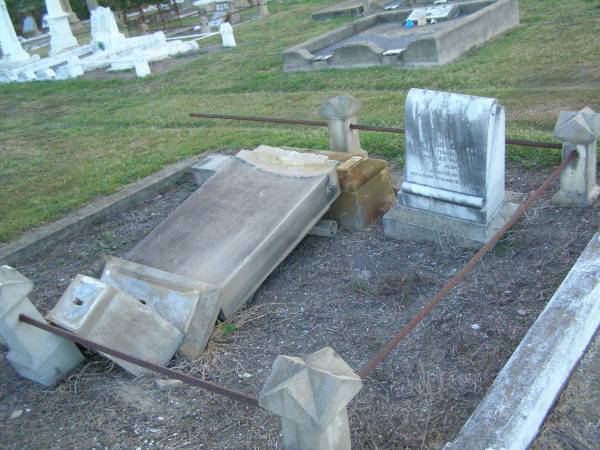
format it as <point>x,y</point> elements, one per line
<point>352,292</point>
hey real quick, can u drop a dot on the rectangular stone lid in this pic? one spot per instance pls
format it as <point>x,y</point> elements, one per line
<point>260,201</point>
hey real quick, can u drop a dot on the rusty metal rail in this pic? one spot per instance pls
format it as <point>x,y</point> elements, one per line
<point>211,387</point>
<point>354,126</point>
<point>453,282</point>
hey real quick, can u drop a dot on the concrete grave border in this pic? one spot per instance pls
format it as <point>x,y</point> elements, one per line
<point>34,242</point>
<point>486,19</point>
<point>514,408</point>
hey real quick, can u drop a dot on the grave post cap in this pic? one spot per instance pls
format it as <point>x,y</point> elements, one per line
<point>581,127</point>
<point>310,391</point>
<point>340,107</point>
<point>13,287</point>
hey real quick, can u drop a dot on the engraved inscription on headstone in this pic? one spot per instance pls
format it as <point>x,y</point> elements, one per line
<point>454,162</point>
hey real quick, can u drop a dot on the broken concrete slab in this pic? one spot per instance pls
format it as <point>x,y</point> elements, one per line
<point>208,166</point>
<point>191,305</point>
<point>35,354</point>
<point>514,408</point>
<point>103,314</point>
<point>235,229</point>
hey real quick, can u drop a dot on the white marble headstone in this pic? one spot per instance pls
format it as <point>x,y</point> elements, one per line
<point>105,32</point>
<point>454,161</point>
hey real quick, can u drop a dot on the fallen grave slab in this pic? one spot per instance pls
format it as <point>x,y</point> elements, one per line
<point>103,314</point>
<point>190,305</point>
<point>241,223</point>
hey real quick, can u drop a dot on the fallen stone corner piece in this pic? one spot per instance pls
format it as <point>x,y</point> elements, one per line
<point>310,395</point>
<point>341,112</point>
<point>35,354</point>
<point>578,131</point>
<point>105,315</point>
<point>190,305</point>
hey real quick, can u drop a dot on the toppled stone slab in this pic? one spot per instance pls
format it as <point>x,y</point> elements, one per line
<point>235,229</point>
<point>515,406</point>
<point>103,314</point>
<point>35,354</point>
<point>190,305</point>
<point>208,166</point>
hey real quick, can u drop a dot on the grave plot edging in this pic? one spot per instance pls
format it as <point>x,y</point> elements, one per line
<point>524,391</point>
<point>38,240</point>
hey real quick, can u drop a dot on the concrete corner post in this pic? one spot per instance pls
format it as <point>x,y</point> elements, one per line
<point>310,395</point>
<point>340,113</point>
<point>578,131</point>
<point>36,354</point>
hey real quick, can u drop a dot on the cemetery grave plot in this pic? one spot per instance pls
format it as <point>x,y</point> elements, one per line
<point>384,38</point>
<point>351,292</point>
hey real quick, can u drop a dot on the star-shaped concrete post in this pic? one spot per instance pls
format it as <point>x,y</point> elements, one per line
<point>578,131</point>
<point>310,395</point>
<point>36,354</point>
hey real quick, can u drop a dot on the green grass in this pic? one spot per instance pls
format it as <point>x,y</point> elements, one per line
<point>64,143</point>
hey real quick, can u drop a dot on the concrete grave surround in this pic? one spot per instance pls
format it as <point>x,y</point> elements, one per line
<point>246,219</point>
<point>382,38</point>
<point>108,316</point>
<point>191,306</point>
<point>578,131</point>
<point>514,408</point>
<point>35,354</point>
<point>453,170</point>
<point>310,396</point>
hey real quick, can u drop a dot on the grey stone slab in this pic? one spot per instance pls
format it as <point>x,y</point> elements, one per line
<point>191,305</point>
<point>35,354</point>
<point>235,229</point>
<point>208,166</point>
<point>514,408</point>
<point>103,314</point>
<point>412,224</point>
